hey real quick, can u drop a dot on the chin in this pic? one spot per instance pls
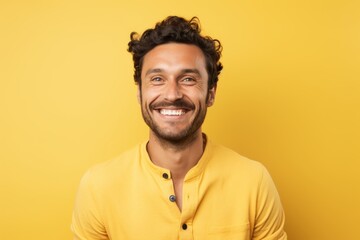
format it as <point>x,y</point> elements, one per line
<point>176,137</point>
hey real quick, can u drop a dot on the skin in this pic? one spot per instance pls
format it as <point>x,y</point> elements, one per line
<point>174,97</point>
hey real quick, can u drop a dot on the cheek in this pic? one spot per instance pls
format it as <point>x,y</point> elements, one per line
<point>148,97</point>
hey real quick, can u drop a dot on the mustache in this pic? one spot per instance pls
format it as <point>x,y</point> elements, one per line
<point>180,103</point>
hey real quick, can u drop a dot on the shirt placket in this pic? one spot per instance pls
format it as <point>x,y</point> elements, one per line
<point>190,200</point>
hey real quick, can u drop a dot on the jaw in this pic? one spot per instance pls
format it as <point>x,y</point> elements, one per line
<point>174,125</point>
<point>174,142</point>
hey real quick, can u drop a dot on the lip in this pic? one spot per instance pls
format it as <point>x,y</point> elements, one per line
<point>179,104</point>
<point>184,113</point>
<point>186,109</point>
<point>172,110</point>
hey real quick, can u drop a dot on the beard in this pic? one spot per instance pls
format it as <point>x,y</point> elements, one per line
<point>174,137</point>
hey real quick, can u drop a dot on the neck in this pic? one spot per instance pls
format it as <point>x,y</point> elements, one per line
<point>178,158</point>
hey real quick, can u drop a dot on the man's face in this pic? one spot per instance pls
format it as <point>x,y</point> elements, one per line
<point>174,93</point>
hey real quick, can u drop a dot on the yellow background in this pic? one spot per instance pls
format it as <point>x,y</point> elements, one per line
<point>289,97</point>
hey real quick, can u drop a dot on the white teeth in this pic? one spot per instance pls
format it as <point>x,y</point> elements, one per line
<point>172,112</point>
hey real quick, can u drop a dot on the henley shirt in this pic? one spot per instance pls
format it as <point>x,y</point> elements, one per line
<point>225,196</point>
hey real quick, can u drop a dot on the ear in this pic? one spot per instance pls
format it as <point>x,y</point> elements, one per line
<point>211,96</point>
<point>138,94</point>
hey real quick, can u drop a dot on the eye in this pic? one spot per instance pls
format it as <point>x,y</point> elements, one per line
<point>188,80</point>
<point>156,80</point>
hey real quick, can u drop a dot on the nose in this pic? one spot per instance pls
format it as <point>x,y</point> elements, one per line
<point>172,91</point>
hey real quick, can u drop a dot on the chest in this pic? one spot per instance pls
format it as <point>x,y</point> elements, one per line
<point>145,209</point>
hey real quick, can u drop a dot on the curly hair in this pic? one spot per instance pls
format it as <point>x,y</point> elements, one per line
<point>179,30</point>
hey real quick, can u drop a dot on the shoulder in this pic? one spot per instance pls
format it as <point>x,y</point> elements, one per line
<point>230,167</point>
<point>227,158</point>
<point>112,170</point>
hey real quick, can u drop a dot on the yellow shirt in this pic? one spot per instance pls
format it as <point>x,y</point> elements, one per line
<point>225,197</point>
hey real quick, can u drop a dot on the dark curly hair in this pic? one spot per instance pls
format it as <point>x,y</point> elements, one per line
<point>179,30</point>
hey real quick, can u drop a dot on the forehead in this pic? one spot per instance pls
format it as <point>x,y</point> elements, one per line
<point>174,55</point>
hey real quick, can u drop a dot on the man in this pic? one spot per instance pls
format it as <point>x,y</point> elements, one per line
<point>177,185</point>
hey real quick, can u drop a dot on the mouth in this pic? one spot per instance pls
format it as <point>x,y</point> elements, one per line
<point>172,112</point>
<point>175,109</point>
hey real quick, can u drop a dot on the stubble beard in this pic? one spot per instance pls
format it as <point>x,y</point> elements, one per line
<point>182,137</point>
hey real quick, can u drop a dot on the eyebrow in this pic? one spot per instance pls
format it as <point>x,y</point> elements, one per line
<point>153,70</point>
<point>186,70</point>
<point>190,70</point>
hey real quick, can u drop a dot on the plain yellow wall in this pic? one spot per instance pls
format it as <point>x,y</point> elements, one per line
<point>289,97</point>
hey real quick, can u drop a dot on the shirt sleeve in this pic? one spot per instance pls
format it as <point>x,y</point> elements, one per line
<point>87,222</point>
<point>270,217</point>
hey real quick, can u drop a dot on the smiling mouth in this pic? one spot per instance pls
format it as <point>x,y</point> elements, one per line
<point>172,112</point>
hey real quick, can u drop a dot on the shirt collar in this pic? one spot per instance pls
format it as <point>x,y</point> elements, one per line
<point>194,172</point>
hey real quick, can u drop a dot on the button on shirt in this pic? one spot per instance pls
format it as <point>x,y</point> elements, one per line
<point>225,196</point>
